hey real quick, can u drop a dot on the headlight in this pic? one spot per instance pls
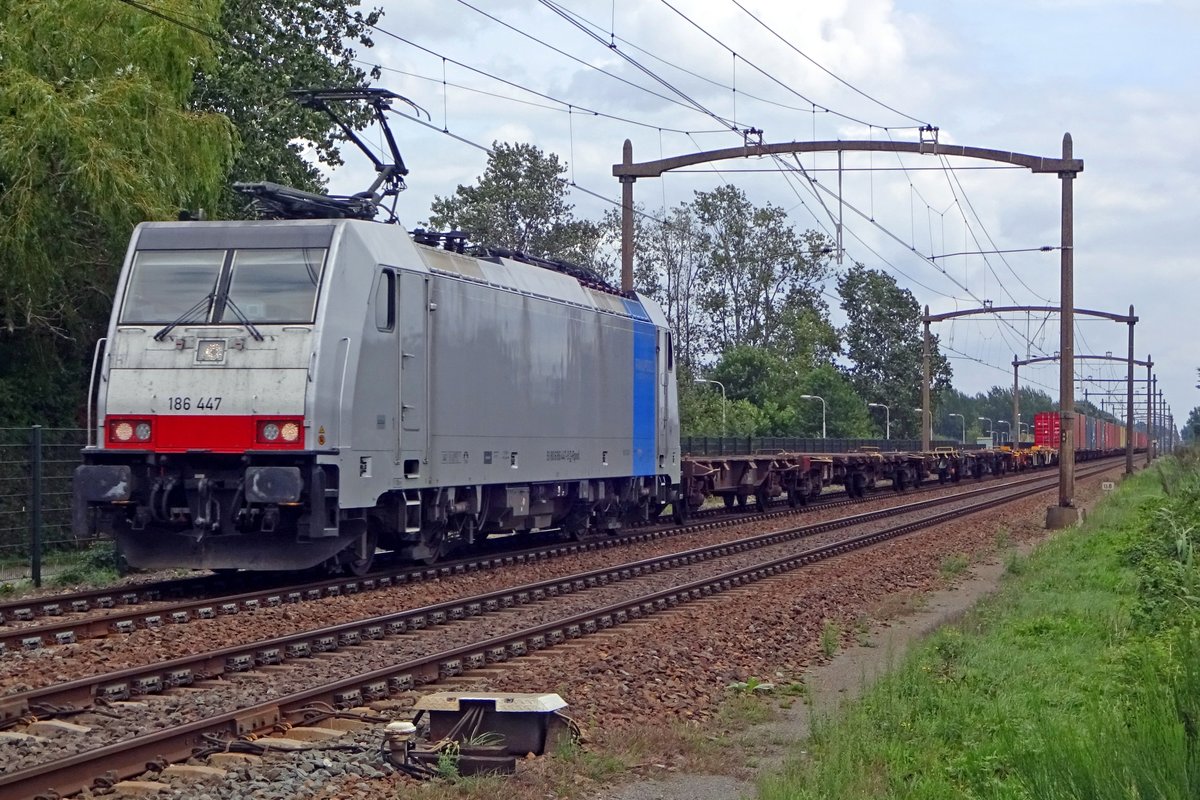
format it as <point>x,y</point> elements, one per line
<point>122,431</point>
<point>210,350</point>
<point>280,433</point>
<point>142,431</point>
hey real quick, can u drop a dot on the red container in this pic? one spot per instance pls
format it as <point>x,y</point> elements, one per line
<point>1046,429</point>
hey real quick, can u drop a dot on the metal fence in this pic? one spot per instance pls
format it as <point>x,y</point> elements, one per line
<point>36,468</point>
<point>746,445</point>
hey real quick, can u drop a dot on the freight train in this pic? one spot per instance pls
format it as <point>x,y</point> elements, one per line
<point>301,391</point>
<point>278,395</point>
<point>1091,433</point>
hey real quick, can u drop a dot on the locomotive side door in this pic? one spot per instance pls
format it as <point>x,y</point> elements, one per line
<point>413,440</point>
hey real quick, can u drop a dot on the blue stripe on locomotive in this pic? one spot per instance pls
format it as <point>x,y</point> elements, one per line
<point>645,369</point>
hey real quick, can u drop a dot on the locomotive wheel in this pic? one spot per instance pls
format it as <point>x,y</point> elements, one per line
<point>353,563</point>
<point>434,540</point>
<point>680,512</point>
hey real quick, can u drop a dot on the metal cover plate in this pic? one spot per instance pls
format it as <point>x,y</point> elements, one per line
<point>505,702</point>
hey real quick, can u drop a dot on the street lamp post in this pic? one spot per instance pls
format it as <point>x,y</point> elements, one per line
<point>822,399</point>
<point>964,424</point>
<point>991,431</point>
<point>723,403</point>
<point>887,416</point>
<point>1008,427</point>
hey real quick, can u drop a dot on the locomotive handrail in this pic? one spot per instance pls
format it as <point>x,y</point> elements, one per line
<point>342,391</point>
<point>92,392</point>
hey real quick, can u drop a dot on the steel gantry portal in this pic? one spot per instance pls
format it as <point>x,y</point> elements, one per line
<point>1066,167</point>
<point>1065,512</point>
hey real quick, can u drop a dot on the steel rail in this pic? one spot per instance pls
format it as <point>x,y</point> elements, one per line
<point>70,631</point>
<point>153,678</point>
<point>158,614</point>
<point>129,757</point>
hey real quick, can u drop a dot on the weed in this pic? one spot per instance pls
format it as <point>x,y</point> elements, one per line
<point>862,631</point>
<point>743,710</point>
<point>485,739</point>
<point>447,762</point>
<point>1003,539</point>
<point>752,685</point>
<point>795,689</point>
<point>98,564</point>
<point>954,565</point>
<point>831,638</point>
<point>567,748</point>
<point>1016,564</point>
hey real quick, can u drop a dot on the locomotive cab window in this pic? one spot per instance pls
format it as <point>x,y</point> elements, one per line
<point>273,285</point>
<point>385,301</point>
<point>213,286</point>
<point>172,284</point>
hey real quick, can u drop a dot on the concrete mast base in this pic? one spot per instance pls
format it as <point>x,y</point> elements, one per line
<point>1059,517</point>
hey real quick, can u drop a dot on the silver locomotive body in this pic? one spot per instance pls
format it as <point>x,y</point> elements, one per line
<point>278,395</point>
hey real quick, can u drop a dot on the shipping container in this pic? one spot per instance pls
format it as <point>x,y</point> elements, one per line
<point>1046,429</point>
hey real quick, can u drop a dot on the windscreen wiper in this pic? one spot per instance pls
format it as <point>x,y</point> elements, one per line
<point>242,318</point>
<point>184,317</point>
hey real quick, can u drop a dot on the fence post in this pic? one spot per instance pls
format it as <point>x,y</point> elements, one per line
<point>35,512</point>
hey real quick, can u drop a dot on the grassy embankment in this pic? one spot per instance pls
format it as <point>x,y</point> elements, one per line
<point>1080,679</point>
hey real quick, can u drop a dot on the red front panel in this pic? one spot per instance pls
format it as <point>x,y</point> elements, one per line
<point>215,433</point>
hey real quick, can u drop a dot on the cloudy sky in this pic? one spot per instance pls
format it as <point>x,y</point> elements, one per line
<point>578,77</point>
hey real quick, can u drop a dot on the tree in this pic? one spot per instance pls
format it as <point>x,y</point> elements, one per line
<point>95,136</point>
<point>520,203</point>
<point>883,339</point>
<point>764,398</point>
<point>846,414</point>
<point>757,271</point>
<point>667,260</point>
<point>1191,428</point>
<point>275,47</point>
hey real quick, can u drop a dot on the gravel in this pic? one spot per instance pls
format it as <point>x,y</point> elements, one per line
<point>675,665</point>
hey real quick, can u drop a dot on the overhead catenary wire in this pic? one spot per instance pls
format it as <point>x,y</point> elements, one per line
<point>516,85</point>
<point>821,67</point>
<point>696,106</point>
<point>698,76</point>
<point>561,106</point>
<point>689,102</point>
<point>769,76</point>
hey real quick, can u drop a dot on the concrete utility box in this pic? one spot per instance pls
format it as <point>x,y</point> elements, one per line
<point>529,723</point>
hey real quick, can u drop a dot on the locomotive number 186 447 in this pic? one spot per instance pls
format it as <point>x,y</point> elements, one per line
<point>196,404</point>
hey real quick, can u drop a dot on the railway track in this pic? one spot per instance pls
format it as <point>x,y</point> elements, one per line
<point>72,617</point>
<point>540,616</point>
<point>229,587</point>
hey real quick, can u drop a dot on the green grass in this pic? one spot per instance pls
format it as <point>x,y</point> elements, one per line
<point>1080,679</point>
<point>954,565</point>
<point>96,565</point>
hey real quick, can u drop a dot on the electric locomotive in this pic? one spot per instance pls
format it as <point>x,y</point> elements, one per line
<point>283,394</point>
